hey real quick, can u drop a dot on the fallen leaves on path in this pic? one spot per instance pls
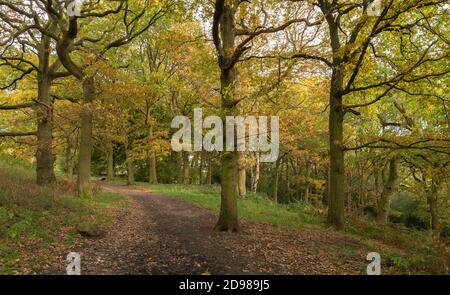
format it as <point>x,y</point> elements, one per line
<point>164,235</point>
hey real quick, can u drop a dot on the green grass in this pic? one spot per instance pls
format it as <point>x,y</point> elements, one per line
<point>404,250</point>
<point>255,207</point>
<point>35,221</point>
<point>409,250</point>
<point>15,166</point>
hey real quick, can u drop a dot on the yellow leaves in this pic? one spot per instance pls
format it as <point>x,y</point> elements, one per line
<point>18,96</point>
<point>229,3</point>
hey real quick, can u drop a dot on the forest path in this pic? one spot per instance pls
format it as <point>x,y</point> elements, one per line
<point>164,235</point>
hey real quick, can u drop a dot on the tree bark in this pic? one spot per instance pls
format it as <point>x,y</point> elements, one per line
<point>288,181</point>
<point>242,189</point>
<point>255,173</point>
<point>186,168</point>
<point>228,218</point>
<point>388,189</point>
<point>200,168</point>
<point>277,180</point>
<point>153,176</point>
<point>336,196</point>
<point>84,188</point>
<point>129,163</point>
<point>45,174</point>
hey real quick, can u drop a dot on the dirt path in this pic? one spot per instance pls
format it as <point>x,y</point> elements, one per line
<point>165,235</point>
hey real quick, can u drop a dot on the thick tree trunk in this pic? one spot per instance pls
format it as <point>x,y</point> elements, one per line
<point>44,154</point>
<point>84,188</point>
<point>109,162</point>
<point>336,196</point>
<point>228,219</point>
<point>434,217</point>
<point>389,187</point>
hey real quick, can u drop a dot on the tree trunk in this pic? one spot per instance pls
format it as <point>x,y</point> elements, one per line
<point>129,162</point>
<point>130,172</point>
<point>153,176</point>
<point>288,181</point>
<point>277,180</point>
<point>209,181</point>
<point>242,176</point>
<point>336,196</point>
<point>228,218</point>
<point>348,193</point>
<point>179,167</point>
<point>242,180</point>
<point>110,162</point>
<point>200,168</point>
<point>306,195</point>
<point>327,187</point>
<point>186,168</point>
<point>44,154</point>
<point>388,189</point>
<point>362,189</point>
<point>195,166</point>
<point>84,188</point>
<point>255,173</point>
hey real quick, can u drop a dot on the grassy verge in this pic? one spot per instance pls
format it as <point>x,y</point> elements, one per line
<point>37,223</point>
<point>253,207</point>
<point>403,250</point>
